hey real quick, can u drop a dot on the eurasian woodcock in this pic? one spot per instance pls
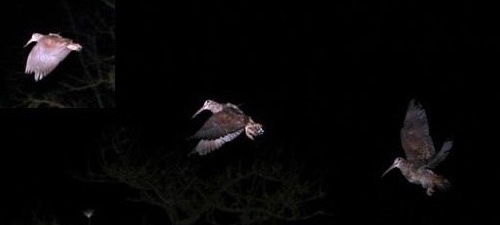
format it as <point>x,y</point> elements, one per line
<point>421,156</point>
<point>48,52</point>
<point>226,123</point>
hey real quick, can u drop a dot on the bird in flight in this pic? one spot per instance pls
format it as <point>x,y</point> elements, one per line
<point>48,52</point>
<point>225,124</point>
<point>421,156</point>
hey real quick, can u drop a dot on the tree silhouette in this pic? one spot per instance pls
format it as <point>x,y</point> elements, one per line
<point>239,192</point>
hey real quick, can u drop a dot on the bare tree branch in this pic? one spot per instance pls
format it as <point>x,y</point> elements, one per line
<point>109,3</point>
<point>260,192</point>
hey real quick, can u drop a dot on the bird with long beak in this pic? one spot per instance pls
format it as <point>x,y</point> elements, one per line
<point>49,51</point>
<point>226,123</point>
<point>421,156</point>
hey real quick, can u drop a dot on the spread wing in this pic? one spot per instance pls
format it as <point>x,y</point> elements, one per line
<point>441,155</point>
<point>220,124</point>
<point>206,146</point>
<point>43,59</point>
<point>415,137</point>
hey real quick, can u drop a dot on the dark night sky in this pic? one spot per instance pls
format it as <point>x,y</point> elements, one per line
<point>330,80</point>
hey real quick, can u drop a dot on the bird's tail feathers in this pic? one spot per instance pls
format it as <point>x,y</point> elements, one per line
<point>443,184</point>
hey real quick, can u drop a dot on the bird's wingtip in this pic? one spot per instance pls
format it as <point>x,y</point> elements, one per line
<point>447,145</point>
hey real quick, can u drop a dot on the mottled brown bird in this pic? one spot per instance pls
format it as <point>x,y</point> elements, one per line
<point>48,52</point>
<point>226,123</point>
<point>421,156</point>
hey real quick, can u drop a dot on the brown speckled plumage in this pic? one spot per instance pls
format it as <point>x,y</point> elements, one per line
<point>226,123</point>
<point>419,149</point>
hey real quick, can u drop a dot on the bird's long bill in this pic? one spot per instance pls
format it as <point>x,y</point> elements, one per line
<point>389,169</point>
<point>31,40</point>
<point>198,112</point>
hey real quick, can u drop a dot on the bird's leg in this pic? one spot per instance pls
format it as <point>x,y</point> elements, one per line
<point>253,129</point>
<point>430,191</point>
<point>248,133</point>
<point>74,47</point>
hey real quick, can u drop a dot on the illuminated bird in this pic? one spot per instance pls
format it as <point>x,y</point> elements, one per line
<point>421,156</point>
<point>48,52</point>
<point>226,123</point>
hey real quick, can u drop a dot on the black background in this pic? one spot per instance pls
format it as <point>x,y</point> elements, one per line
<point>331,80</point>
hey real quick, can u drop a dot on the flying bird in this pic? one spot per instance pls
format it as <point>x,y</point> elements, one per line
<point>225,124</point>
<point>421,156</point>
<point>48,52</point>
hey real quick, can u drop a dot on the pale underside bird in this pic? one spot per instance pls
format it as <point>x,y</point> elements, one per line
<point>48,52</point>
<point>421,156</point>
<point>226,123</point>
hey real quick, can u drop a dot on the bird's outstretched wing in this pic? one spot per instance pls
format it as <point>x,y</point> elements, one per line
<point>220,124</point>
<point>415,138</point>
<point>441,155</point>
<point>43,59</point>
<point>207,145</point>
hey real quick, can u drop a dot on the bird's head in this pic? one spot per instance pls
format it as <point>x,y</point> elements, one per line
<point>34,38</point>
<point>396,164</point>
<point>211,105</point>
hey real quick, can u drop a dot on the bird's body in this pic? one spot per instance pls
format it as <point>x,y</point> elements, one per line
<point>48,52</point>
<point>421,156</point>
<point>226,123</point>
